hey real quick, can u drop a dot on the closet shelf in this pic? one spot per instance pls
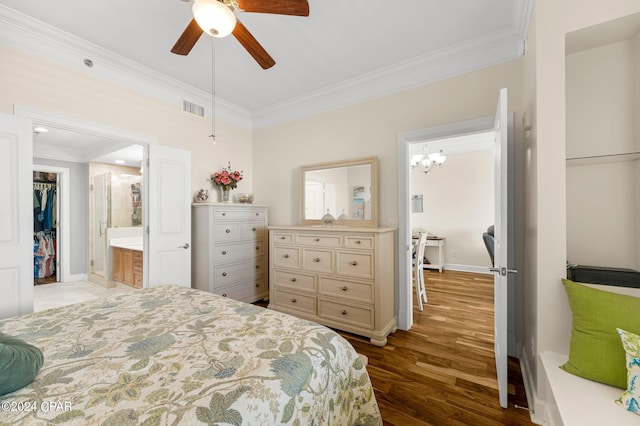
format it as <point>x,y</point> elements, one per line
<point>603,159</point>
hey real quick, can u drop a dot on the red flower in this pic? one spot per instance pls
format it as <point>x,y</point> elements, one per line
<point>226,178</point>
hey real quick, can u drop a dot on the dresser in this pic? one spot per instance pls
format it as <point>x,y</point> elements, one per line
<point>230,250</point>
<point>341,277</point>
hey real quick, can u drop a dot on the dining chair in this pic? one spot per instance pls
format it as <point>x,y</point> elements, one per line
<point>418,271</point>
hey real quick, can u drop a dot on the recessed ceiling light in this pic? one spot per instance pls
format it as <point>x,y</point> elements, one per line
<point>119,161</point>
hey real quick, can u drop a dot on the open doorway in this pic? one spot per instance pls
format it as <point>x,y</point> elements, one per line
<point>453,200</point>
<point>74,153</point>
<point>407,142</point>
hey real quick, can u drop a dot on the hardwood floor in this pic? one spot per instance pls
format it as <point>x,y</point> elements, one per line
<point>442,371</point>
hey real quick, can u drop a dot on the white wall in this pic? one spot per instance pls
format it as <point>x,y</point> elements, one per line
<point>458,205</point>
<point>35,82</point>
<point>547,315</point>
<point>602,111</point>
<point>371,128</point>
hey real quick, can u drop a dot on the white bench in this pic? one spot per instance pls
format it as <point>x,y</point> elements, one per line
<point>574,401</point>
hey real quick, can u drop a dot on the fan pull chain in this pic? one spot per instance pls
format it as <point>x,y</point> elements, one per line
<point>213,92</point>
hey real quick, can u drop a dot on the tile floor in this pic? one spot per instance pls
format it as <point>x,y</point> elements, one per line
<point>48,296</point>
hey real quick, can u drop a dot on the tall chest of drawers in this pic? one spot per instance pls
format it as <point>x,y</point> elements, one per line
<point>341,277</point>
<point>230,250</point>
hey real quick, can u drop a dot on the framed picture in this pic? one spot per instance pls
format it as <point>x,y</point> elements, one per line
<point>416,203</point>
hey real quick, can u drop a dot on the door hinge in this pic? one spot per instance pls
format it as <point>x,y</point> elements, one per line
<point>147,229</point>
<point>91,262</point>
<point>91,187</point>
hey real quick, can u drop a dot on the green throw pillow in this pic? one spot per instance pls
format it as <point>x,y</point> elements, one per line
<point>595,352</point>
<point>630,399</point>
<point>19,363</point>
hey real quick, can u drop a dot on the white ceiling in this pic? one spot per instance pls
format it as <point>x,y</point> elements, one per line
<point>343,52</point>
<point>350,50</point>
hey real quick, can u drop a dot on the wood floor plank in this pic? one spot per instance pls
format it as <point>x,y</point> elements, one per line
<point>442,371</point>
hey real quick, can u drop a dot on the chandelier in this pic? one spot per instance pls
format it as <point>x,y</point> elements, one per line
<point>424,163</point>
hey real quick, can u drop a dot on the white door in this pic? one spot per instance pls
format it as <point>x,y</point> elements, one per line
<point>169,216</point>
<point>502,242</point>
<point>16,216</point>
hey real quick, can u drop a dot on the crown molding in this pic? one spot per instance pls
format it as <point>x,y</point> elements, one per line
<point>23,32</point>
<point>26,33</point>
<point>465,57</point>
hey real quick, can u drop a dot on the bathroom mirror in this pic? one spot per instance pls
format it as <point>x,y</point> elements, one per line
<point>348,190</point>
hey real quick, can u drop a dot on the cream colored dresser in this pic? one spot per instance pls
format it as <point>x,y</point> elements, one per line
<point>230,250</point>
<point>341,277</point>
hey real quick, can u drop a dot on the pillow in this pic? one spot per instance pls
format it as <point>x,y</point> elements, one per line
<point>630,399</point>
<point>595,352</point>
<point>19,363</point>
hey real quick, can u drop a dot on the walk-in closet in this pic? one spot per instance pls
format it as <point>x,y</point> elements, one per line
<point>45,227</point>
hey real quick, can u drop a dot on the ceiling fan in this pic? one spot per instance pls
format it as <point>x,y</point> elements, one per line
<point>216,17</point>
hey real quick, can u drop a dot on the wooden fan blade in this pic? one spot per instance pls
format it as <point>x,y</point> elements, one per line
<point>242,34</point>
<point>187,39</point>
<point>280,7</point>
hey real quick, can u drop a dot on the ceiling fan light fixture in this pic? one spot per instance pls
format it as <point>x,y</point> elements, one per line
<point>214,17</point>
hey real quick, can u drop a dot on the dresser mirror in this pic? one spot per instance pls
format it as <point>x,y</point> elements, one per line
<point>347,190</point>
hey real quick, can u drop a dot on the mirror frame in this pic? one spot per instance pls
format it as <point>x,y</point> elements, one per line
<point>371,161</point>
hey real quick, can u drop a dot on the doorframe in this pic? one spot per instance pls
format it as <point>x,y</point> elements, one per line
<point>405,139</point>
<point>63,220</point>
<point>44,118</point>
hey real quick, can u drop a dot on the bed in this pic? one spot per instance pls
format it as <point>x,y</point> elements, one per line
<point>173,355</point>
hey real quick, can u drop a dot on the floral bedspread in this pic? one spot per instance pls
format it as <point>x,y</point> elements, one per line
<point>171,355</point>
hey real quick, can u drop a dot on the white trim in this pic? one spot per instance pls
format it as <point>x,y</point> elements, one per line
<point>405,139</point>
<point>102,130</point>
<point>46,118</point>
<point>77,277</point>
<point>465,57</point>
<point>535,405</point>
<point>63,218</point>
<point>27,33</point>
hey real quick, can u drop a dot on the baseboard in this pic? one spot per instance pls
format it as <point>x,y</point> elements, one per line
<point>101,281</point>
<point>76,277</point>
<point>468,268</point>
<point>535,405</point>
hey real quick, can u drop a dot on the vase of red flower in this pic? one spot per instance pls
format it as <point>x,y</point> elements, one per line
<point>227,179</point>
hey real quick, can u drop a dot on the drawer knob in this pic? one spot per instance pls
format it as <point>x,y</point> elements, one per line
<point>224,214</point>
<point>293,280</point>
<point>354,263</point>
<point>224,252</point>
<point>253,229</point>
<point>317,259</point>
<point>293,300</point>
<point>224,294</point>
<point>286,256</point>
<point>283,238</point>
<point>345,288</point>
<point>227,230</point>
<point>344,312</point>
<point>358,242</point>
<point>257,266</point>
<point>224,274</point>
<point>257,247</point>
<point>257,285</point>
<point>257,214</point>
<point>317,240</point>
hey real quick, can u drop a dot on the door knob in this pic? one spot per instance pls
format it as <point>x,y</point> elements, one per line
<point>503,270</point>
<point>185,246</point>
